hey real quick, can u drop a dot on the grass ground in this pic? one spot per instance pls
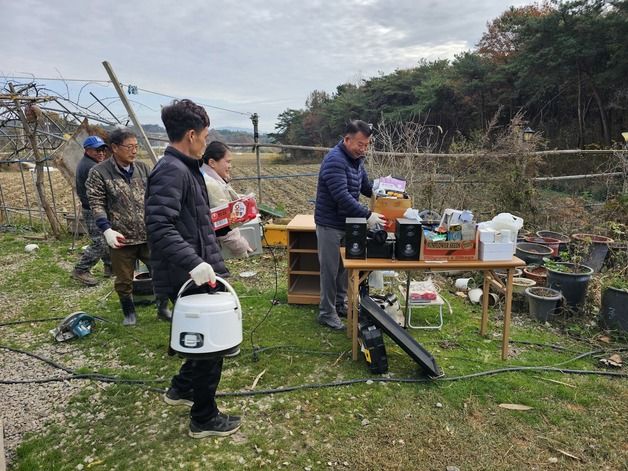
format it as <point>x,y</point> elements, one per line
<point>576,422</point>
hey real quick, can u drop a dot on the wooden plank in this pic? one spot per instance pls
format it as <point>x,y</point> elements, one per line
<point>485,291</point>
<point>423,265</point>
<point>507,313</point>
<point>302,222</point>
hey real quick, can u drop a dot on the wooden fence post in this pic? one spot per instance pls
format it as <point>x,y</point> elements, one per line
<point>39,167</point>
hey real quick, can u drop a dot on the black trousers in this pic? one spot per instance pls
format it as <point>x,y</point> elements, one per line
<point>202,376</point>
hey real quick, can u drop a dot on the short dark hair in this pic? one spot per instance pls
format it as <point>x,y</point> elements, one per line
<point>357,125</point>
<point>215,150</point>
<point>182,115</point>
<point>120,135</point>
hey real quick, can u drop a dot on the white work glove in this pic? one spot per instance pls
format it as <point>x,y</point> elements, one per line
<point>203,273</point>
<point>114,239</point>
<point>375,219</point>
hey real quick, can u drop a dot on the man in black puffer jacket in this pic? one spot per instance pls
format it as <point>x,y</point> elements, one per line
<point>183,246</point>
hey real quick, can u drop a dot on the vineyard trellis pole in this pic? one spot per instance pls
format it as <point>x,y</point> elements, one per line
<point>39,167</point>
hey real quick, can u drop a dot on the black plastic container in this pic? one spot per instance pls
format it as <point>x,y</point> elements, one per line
<point>542,302</point>
<point>597,248</point>
<point>614,310</point>
<point>142,284</point>
<point>573,286</point>
<point>532,253</point>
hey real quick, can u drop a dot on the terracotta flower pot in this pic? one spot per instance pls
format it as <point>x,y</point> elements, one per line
<point>537,273</point>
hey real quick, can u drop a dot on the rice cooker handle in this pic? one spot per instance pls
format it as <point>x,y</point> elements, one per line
<point>232,291</point>
<point>183,288</point>
<point>220,280</point>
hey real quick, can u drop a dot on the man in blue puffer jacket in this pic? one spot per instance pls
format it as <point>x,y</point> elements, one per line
<point>341,179</point>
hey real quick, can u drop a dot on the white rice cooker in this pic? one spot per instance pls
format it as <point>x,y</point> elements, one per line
<point>207,325</point>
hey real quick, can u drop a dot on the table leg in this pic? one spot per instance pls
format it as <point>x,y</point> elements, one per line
<point>407,313</point>
<point>350,301</point>
<point>485,289</point>
<point>507,313</point>
<point>352,308</point>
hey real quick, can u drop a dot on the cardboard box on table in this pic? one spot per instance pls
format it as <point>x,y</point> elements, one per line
<point>449,250</point>
<point>390,208</point>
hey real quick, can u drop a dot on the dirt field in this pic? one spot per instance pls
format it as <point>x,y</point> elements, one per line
<point>291,194</point>
<point>295,195</point>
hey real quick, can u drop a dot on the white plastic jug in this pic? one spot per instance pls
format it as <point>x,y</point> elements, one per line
<point>509,222</point>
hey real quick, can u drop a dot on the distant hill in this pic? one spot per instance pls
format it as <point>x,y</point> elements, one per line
<point>233,135</point>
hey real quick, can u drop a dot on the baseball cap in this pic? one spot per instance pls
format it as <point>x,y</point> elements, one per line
<point>93,142</point>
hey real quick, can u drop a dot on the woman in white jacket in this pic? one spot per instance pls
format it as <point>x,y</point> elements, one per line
<point>217,172</point>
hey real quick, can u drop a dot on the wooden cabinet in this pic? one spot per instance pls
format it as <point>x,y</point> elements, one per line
<point>303,267</point>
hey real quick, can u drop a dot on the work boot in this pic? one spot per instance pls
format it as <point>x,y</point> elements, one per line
<point>84,277</point>
<point>128,309</point>
<point>163,312</point>
<point>107,271</point>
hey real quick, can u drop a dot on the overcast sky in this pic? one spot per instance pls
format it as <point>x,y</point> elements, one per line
<point>249,56</point>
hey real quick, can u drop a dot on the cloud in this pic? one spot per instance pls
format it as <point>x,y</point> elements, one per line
<point>260,55</point>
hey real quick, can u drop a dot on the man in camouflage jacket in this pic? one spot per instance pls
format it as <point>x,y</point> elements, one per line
<point>115,189</point>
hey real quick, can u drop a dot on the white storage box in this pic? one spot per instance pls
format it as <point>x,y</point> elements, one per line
<point>496,251</point>
<point>487,235</point>
<point>252,232</point>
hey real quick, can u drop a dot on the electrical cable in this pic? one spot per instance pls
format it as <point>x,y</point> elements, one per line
<point>144,382</point>
<point>46,319</point>
<point>272,302</point>
<point>33,321</point>
<point>89,81</point>
<point>348,382</point>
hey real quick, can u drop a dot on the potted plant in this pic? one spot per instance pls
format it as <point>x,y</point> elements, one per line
<point>614,310</point>
<point>550,242</point>
<point>542,302</point>
<point>537,273</point>
<point>593,248</point>
<point>571,279</point>
<point>532,253</point>
<point>564,239</point>
<point>519,285</point>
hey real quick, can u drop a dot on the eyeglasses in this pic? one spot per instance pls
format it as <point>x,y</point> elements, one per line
<point>100,150</point>
<point>129,147</point>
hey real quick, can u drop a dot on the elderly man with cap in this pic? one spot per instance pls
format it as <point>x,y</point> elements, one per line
<point>95,152</point>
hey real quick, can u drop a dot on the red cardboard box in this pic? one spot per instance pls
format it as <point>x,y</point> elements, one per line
<point>234,213</point>
<point>449,250</point>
